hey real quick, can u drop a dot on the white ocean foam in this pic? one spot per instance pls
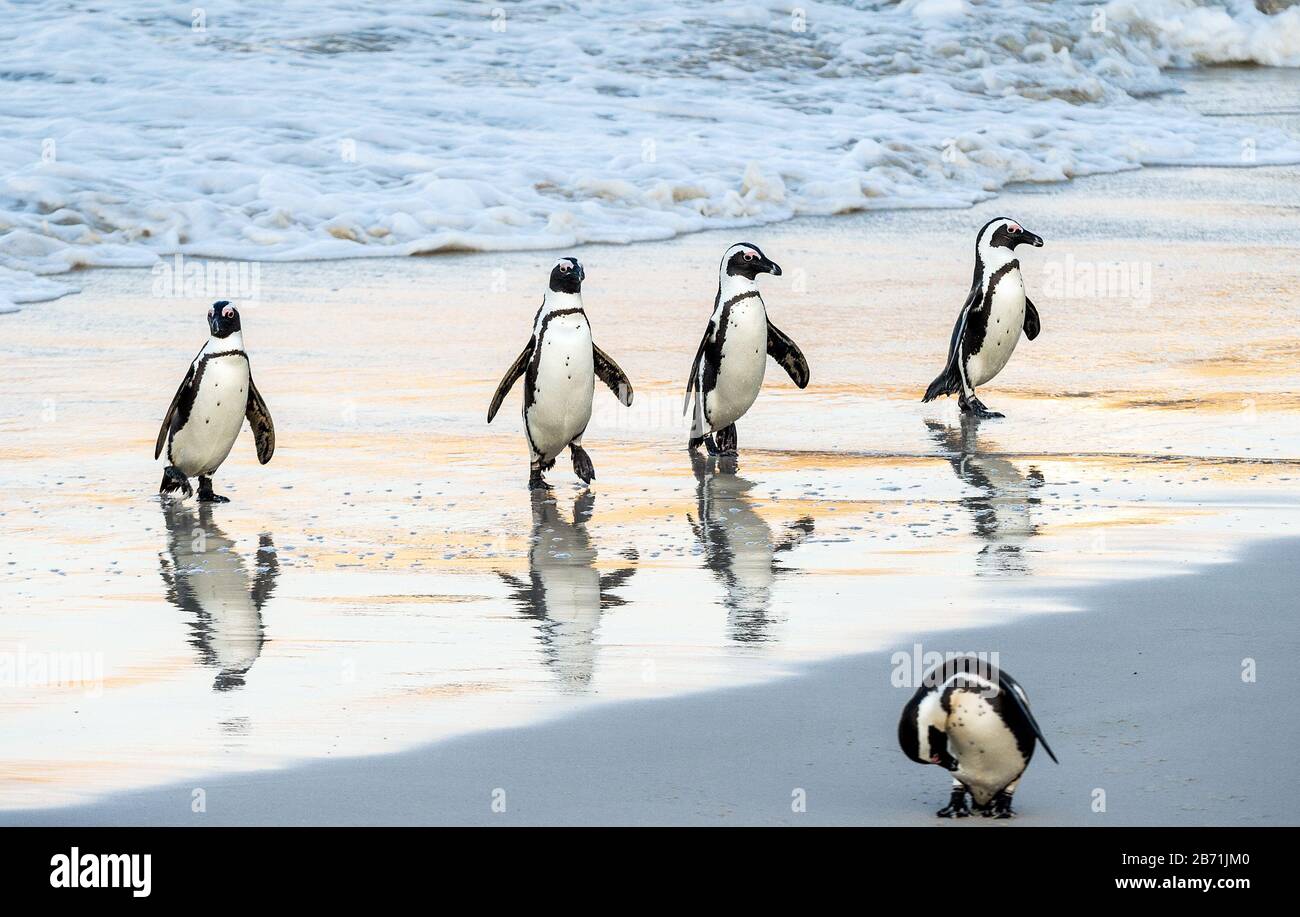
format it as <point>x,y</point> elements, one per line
<point>339,129</point>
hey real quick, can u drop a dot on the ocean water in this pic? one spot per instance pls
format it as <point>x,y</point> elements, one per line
<point>339,129</point>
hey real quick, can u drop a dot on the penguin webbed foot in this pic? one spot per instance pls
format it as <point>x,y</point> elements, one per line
<point>1000,807</point>
<point>973,406</point>
<point>957,806</point>
<point>582,466</point>
<point>205,492</point>
<point>173,480</point>
<point>727,440</point>
<point>693,444</point>
<point>536,481</point>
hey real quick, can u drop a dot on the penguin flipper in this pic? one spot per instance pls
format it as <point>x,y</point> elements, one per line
<point>1032,325</point>
<point>787,353</point>
<point>259,418</point>
<point>1012,689</point>
<point>511,377</point>
<point>171,412</point>
<point>693,380</point>
<point>609,372</point>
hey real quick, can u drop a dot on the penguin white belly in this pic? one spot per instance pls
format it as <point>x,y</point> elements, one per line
<point>1005,322</point>
<point>986,750</point>
<point>215,418</point>
<point>744,360</point>
<point>564,386</point>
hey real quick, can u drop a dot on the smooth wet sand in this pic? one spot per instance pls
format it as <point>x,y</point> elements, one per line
<point>418,594</point>
<point>1149,716</point>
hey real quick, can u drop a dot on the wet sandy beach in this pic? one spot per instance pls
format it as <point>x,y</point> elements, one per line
<point>1160,729</point>
<point>387,581</point>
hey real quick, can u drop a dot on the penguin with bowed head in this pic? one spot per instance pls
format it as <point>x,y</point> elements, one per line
<point>973,720</point>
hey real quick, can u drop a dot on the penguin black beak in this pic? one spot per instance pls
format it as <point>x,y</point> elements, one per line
<point>775,269</point>
<point>1035,241</point>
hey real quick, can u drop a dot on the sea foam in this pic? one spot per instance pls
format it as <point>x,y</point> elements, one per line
<point>332,129</point>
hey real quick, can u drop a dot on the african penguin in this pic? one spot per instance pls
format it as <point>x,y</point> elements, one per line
<point>560,365</point>
<point>207,579</point>
<point>973,720</point>
<point>564,591</point>
<point>729,364</point>
<point>991,320</point>
<point>209,408</point>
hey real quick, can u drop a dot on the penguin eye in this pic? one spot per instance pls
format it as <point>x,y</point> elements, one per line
<point>228,313</point>
<point>750,256</point>
<point>1013,228</point>
<point>211,312</point>
<point>564,269</point>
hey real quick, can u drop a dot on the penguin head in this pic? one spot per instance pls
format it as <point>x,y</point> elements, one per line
<point>1004,232</point>
<point>745,259</point>
<point>919,735</point>
<point>223,319</point>
<point>567,276</point>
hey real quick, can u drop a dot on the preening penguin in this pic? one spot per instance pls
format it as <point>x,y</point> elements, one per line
<point>995,312</point>
<point>732,357</point>
<point>208,410</point>
<point>560,365</point>
<point>972,719</point>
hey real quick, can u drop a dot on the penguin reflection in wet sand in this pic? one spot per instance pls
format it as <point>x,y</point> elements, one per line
<point>732,357</point>
<point>995,312</point>
<point>207,579</point>
<point>560,365</point>
<point>564,590</point>
<point>1005,502</point>
<point>973,720</point>
<point>208,410</point>
<point>739,546</point>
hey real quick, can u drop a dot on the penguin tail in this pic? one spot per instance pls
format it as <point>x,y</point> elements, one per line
<point>946,383</point>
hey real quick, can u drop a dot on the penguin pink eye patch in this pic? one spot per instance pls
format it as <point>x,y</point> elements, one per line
<point>750,256</point>
<point>228,312</point>
<point>1012,227</point>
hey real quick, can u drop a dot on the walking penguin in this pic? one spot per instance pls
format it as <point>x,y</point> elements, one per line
<point>208,410</point>
<point>995,312</point>
<point>560,365</point>
<point>732,357</point>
